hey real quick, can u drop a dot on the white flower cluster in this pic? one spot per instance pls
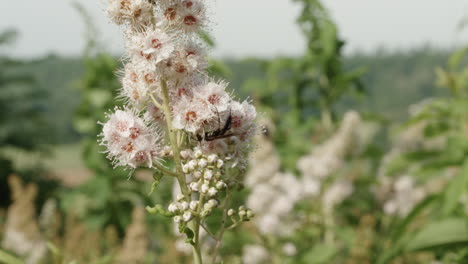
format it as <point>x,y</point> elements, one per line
<point>400,193</point>
<point>328,157</point>
<point>274,193</point>
<point>404,196</point>
<point>129,140</point>
<point>133,12</point>
<point>164,49</point>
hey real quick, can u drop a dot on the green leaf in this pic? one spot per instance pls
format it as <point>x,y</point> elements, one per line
<point>157,179</point>
<point>53,249</point>
<point>441,233</point>
<point>400,228</point>
<point>158,209</point>
<point>6,257</point>
<point>190,235</point>
<point>455,189</point>
<point>321,253</point>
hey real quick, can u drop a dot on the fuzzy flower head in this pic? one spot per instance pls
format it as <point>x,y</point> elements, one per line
<point>243,118</point>
<point>129,141</point>
<point>213,95</point>
<point>149,47</point>
<point>190,116</point>
<point>134,12</point>
<point>137,84</point>
<point>188,15</point>
<point>188,58</point>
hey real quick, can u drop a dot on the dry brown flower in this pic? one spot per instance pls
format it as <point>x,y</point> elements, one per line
<point>135,244</point>
<point>22,234</point>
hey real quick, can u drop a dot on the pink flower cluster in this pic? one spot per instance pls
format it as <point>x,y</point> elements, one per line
<point>164,49</point>
<point>129,141</point>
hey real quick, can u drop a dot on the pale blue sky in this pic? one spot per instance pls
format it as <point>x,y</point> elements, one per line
<point>249,27</point>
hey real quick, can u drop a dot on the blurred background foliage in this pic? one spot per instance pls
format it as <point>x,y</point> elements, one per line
<point>50,108</point>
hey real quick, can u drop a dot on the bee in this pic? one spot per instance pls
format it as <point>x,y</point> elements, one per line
<point>219,133</point>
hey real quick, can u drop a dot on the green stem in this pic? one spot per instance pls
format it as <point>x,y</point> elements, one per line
<point>166,171</point>
<point>173,140</point>
<point>223,228</point>
<point>197,257</point>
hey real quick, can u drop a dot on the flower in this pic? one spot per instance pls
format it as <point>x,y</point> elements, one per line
<point>138,83</point>
<point>129,141</point>
<point>149,47</point>
<point>134,12</point>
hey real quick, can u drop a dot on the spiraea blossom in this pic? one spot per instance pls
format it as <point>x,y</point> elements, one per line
<point>174,110</point>
<point>129,140</point>
<point>133,12</point>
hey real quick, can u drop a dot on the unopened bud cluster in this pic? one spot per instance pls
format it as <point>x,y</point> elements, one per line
<point>204,173</point>
<point>243,214</point>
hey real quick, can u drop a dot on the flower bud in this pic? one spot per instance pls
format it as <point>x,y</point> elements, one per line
<point>187,216</point>
<point>185,168</point>
<point>249,214</point>
<point>184,206</point>
<point>213,203</point>
<point>242,213</point>
<point>177,218</point>
<point>202,163</point>
<point>231,212</point>
<point>180,197</point>
<point>205,211</point>
<point>212,191</point>
<point>194,205</point>
<point>208,175</point>
<point>192,165</point>
<point>220,185</point>
<point>194,186</point>
<point>219,163</point>
<point>172,208</point>
<point>197,154</point>
<point>197,174</point>
<point>204,188</point>
<point>186,154</point>
<point>212,158</point>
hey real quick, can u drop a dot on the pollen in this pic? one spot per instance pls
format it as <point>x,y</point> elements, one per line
<point>188,4</point>
<point>149,78</point>
<point>180,68</point>
<point>133,77</point>
<point>213,99</point>
<point>121,126</point>
<point>146,56</point>
<point>236,121</point>
<point>156,43</point>
<point>190,20</point>
<point>182,91</point>
<point>170,13</point>
<point>128,148</point>
<point>134,132</point>
<point>190,116</point>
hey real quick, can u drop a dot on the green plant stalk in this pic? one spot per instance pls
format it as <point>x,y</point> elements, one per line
<point>173,141</point>
<point>223,229</point>
<point>196,229</point>
<point>197,257</point>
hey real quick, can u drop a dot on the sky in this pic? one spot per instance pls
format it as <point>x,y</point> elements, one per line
<point>248,27</point>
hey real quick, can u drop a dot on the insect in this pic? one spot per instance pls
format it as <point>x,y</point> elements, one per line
<point>218,133</point>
